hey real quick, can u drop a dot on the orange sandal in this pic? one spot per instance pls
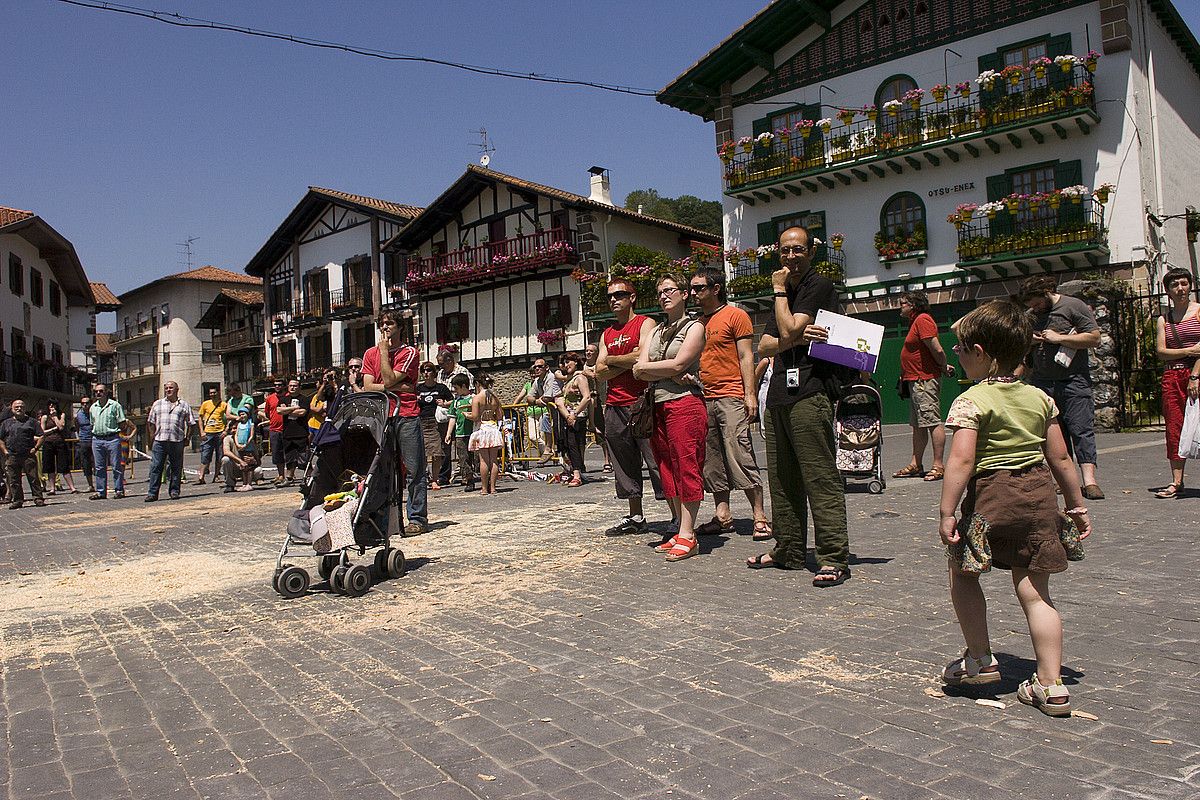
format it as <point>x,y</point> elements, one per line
<point>683,548</point>
<point>668,545</point>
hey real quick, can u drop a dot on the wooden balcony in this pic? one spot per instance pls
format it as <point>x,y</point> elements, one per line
<point>310,310</point>
<point>915,137</point>
<point>350,303</point>
<point>491,260</point>
<point>1043,241</point>
<point>247,338</point>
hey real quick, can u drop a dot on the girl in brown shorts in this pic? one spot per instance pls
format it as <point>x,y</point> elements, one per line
<point>1006,455</point>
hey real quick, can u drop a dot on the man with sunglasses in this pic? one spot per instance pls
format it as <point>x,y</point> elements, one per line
<point>354,378</point>
<point>731,397</point>
<point>620,344</point>
<point>107,418</point>
<point>801,467</point>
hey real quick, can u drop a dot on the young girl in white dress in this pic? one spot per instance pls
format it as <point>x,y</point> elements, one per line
<point>486,440</point>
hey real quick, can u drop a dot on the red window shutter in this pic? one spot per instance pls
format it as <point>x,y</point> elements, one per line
<point>462,331</point>
<point>543,311</point>
<point>441,329</point>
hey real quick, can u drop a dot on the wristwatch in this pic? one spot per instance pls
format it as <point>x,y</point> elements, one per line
<point>781,294</point>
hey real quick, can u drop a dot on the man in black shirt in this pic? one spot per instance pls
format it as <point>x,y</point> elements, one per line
<point>293,407</point>
<point>801,464</point>
<point>430,396</point>
<point>19,440</point>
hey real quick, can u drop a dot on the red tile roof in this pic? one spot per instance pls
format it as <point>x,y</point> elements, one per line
<point>247,297</point>
<point>386,206</point>
<point>10,215</point>
<point>103,295</point>
<point>211,273</point>
<point>104,345</point>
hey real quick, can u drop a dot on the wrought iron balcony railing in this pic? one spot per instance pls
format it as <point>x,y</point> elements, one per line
<point>751,278</point>
<point>492,259</point>
<point>914,126</point>
<point>1030,234</point>
<point>349,303</point>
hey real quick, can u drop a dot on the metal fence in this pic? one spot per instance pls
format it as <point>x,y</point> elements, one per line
<point>1138,367</point>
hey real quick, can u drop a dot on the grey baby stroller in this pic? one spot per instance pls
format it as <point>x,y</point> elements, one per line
<point>858,425</point>
<point>353,456</point>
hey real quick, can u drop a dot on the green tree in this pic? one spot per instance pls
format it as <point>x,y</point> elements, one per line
<point>686,209</point>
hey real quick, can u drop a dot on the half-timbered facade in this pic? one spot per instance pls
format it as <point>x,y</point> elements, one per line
<point>324,278</point>
<point>954,146</point>
<point>235,318</point>
<point>488,264</point>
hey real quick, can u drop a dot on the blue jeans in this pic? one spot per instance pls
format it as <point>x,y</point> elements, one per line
<point>1076,414</point>
<point>172,454</point>
<point>410,446</point>
<point>106,452</point>
<point>210,444</point>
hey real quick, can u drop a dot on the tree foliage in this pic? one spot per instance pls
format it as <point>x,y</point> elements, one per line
<point>686,209</point>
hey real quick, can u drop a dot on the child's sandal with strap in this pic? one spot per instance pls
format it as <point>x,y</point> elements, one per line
<point>1053,700</point>
<point>968,671</point>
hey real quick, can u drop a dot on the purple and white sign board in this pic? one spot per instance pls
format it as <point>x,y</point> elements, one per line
<point>852,342</point>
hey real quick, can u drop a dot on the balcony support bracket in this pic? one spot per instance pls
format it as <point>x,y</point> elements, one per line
<point>766,198</point>
<point>1022,267</point>
<point>912,162</point>
<point>1067,261</point>
<point>810,185</point>
<point>844,178</point>
<point>828,184</point>
<point>1037,135</point>
<point>1059,129</point>
<point>747,199</point>
<point>780,193</point>
<point>1083,126</point>
<point>1016,140</point>
<point>895,167</point>
<point>932,159</point>
<point>1045,264</point>
<point>972,149</point>
<point>877,170</point>
<point>796,190</point>
<point>992,144</point>
<point>862,176</point>
<point>1092,258</point>
<point>951,154</point>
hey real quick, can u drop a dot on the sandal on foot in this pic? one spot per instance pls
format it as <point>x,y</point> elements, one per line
<point>1053,700</point>
<point>683,548</point>
<point>830,576</point>
<point>666,545</point>
<point>714,527</point>
<point>608,467</point>
<point>935,474</point>
<point>763,561</point>
<point>1169,492</point>
<point>910,472</point>
<point>971,671</point>
<point>763,531</point>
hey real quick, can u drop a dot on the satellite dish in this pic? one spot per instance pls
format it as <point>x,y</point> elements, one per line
<point>485,159</point>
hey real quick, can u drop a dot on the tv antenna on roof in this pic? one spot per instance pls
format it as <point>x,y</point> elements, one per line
<point>486,148</point>
<point>185,249</point>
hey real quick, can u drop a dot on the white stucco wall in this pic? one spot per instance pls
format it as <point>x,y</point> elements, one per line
<point>1110,153</point>
<point>41,324</point>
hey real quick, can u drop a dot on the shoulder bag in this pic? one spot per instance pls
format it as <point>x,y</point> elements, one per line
<point>641,411</point>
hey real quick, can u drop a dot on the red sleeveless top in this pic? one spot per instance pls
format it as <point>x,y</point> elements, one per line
<point>620,341</point>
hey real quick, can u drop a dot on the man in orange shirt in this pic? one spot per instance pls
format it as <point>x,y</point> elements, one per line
<point>730,393</point>
<point>922,364</point>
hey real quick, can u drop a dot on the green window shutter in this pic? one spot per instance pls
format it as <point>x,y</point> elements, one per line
<point>1069,173</point>
<point>999,187</point>
<point>993,61</point>
<point>767,234</point>
<point>1059,46</point>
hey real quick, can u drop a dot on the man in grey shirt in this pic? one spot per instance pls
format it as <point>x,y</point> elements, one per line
<point>1064,330</point>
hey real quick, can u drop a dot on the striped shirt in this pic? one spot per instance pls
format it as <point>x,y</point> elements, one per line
<point>170,420</point>
<point>1182,335</point>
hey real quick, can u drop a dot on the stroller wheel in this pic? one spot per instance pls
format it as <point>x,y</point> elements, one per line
<point>292,582</point>
<point>381,563</point>
<point>396,565</point>
<point>326,566</point>
<point>337,579</point>
<point>875,487</point>
<point>356,581</point>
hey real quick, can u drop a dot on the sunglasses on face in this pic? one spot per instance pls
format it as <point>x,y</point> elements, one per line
<point>619,296</point>
<point>696,288</point>
<point>796,250</point>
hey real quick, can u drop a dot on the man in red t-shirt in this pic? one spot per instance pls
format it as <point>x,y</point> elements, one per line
<point>392,365</point>
<point>619,345</point>
<point>275,429</point>
<point>922,364</point>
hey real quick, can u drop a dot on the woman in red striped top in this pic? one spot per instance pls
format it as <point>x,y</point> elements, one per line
<point>1179,346</point>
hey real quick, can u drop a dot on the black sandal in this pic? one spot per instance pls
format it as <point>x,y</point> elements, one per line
<point>840,576</point>
<point>1171,491</point>
<point>758,563</point>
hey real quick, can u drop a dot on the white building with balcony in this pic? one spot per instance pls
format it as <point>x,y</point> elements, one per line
<point>324,277</point>
<point>880,120</point>
<point>47,312</point>
<point>158,337</point>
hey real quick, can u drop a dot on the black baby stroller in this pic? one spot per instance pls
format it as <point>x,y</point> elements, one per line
<point>353,454</point>
<point>858,424</point>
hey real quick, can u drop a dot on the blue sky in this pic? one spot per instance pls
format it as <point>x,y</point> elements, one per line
<point>130,136</point>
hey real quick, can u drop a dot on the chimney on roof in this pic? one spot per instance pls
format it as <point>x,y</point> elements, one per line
<point>600,191</point>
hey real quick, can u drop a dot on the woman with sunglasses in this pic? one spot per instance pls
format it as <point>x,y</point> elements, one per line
<point>671,364</point>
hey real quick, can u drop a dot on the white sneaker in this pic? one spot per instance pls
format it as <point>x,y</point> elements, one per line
<point>245,488</point>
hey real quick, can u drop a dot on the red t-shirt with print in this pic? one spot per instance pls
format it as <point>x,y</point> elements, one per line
<point>405,361</point>
<point>916,362</point>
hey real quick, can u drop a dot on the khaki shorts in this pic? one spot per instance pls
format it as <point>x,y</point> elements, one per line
<point>431,432</point>
<point>729,455</point>
<point>925,403</point>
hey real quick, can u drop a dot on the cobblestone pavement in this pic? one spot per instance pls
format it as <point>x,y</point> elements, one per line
<point>143,653</point>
